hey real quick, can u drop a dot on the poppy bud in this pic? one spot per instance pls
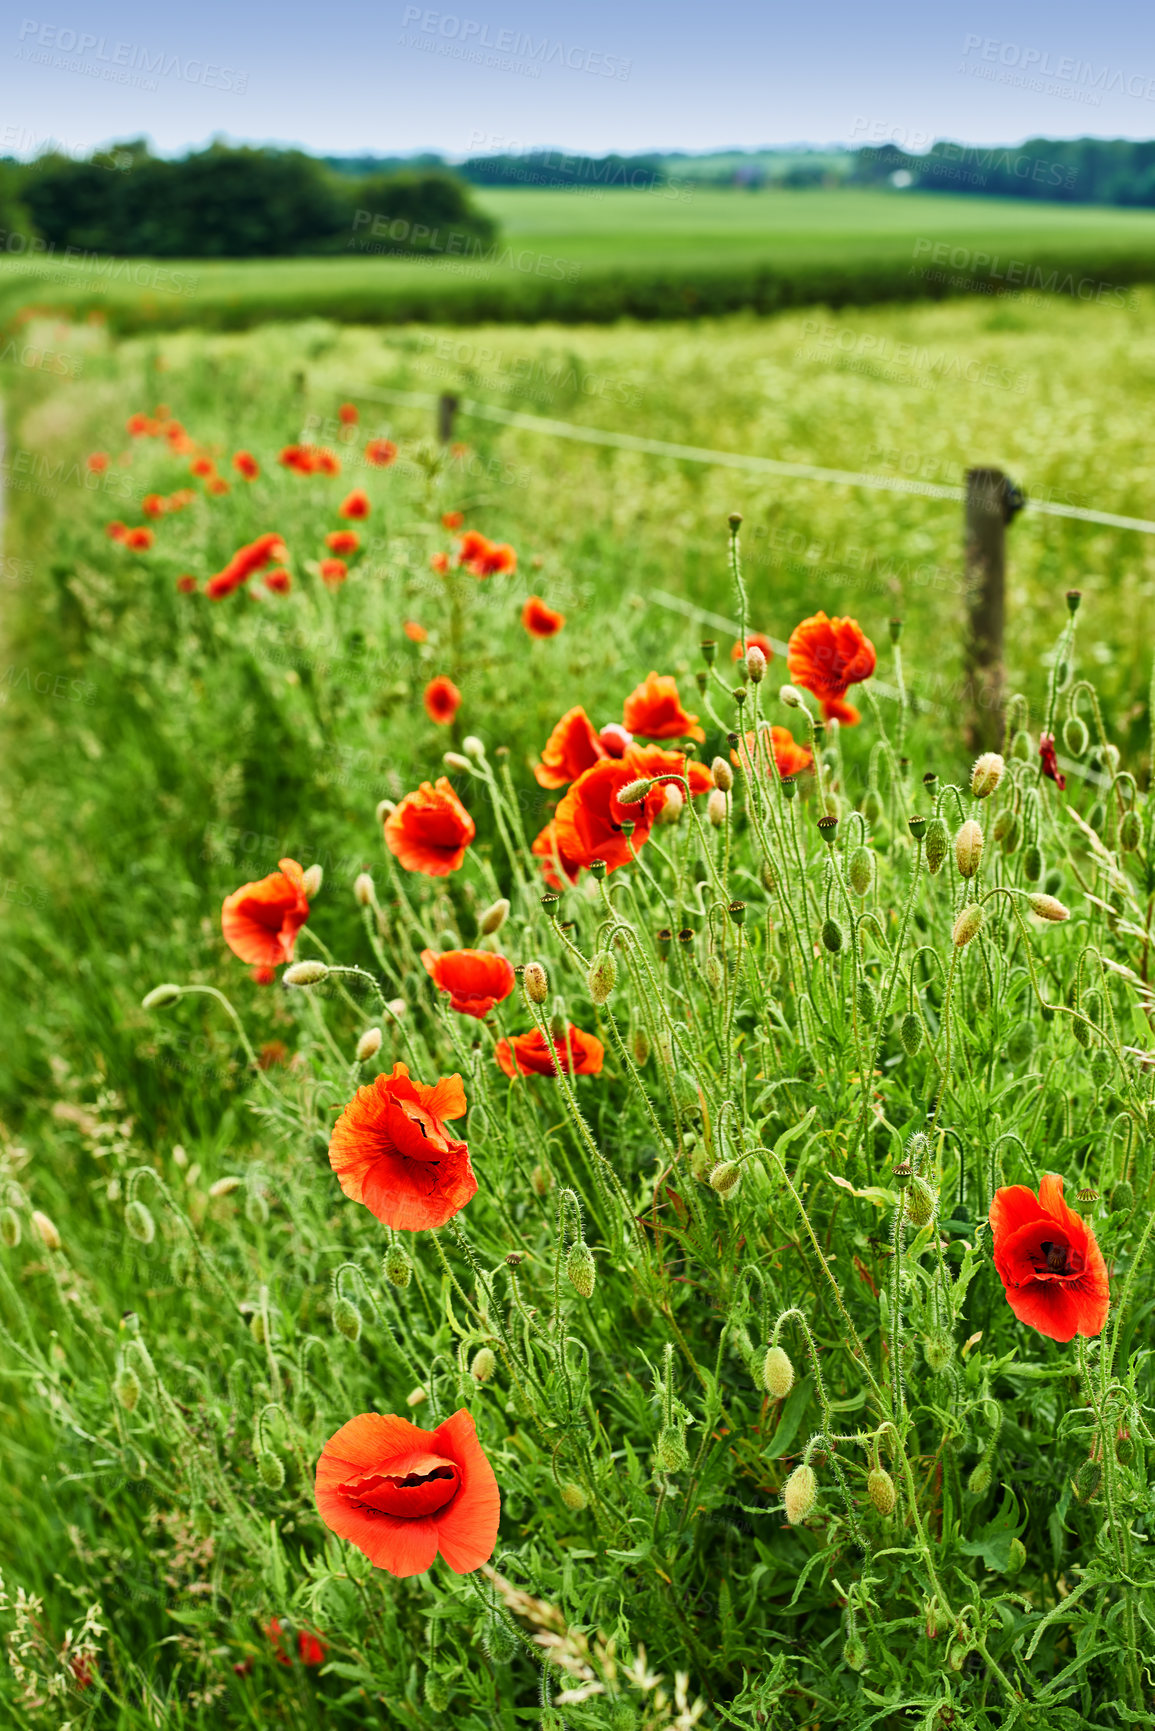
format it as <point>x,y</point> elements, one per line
<point>937,1349</point>
<point>385,808</point>
<point>573,1497</point>
<point>641,1046</point>
<point>1122,1198</point>
<point>47,1230</point>
<point>920,1202</point>
<point>871,805</point>
<point>541,1181</point>
<point>673,1456</point>
<point>396,1266</point>
<point>672,807</point>
<point>368,1045</point>
<point>910,1033</point>
<point>1033,863</point>
<point>10,1232</point>
<point>713,972</point>
<point>854,1653</point>
<point>968,848</point>
<point>723,774</point>
<point>980,1480</point>
<point>725,1178</point>
<point>271,1469</point>
<point>312,880</point>
<point>557,1021</point>
<point>880,1489</point>
<point>484,1364</point>
<point>623,1718</point>
<point>347,1319</point>
<point>363,890</point>
<point>718,808</point>
<point>454,760</point>
<point>1125,1449</point>
<point>832,935</point>
<point>861,870</point>
<point>790,697</point>
<point>437,1694</point>
<point>126,1387</point>
<point>304,974</point>
<point>536,982</point>
<point>634,792</point>
<point>139,1223</point>
<point>416,1397</point>
<point>1048,908</point>
<point>224,1186</point>
<point>1130,831</point>
<point>800,1494</point>
<point>1075,736</point>
<point>937,844</point>
<point>777,1373</point>
<point>602,976</point>
<point>472,746</point>
<point>967,925</point>
<point>493,918</point>
<point>755,664</point>
<point>160,997</point>
<point>986,774</point>
<point>397,1007</point>
<point>1021,747</point>
<point>866,1000</point>
<point>1012,833</point>
<point>579,1265</point>
<point>1087,1480</point>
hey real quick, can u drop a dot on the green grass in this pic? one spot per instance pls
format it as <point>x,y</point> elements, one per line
<point>578,258</point>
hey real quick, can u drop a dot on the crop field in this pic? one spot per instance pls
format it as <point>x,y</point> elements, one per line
<point>665,1314</point>
<point>613,253</point>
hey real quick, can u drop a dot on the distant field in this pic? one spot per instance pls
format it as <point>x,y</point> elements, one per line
<point>594,257</point>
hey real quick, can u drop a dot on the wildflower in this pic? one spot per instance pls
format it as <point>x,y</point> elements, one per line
<point>540,620</point>
<point>652,761</point>
<point>1048,1261</point>
<point>116,530</point>
<point>141,426</point>
<point>202,467</point>
<point>137,540</point>
<point>218,485</point>
<point>355,505</point>
<point>153,505</point>
<point>244,562</point>
<point>182,497</point>
<point>452,519</point>
<point>442,700</point>
<point>343,541</point>
<point>278,580</point>
<point>260,921</point>
<point>790,757</point>
<point>392,1151</point>
<point>572,1052</point>
<point>475,980</point>
<point>548,849</point>
<point>439,562</point>
<point>825,656</point>
<point>246,465</point>
<point>1050,762</point>
<point>186,585</point>
<point>754,640</point>
<point>590,817</point>
<point>415,633</point>
<point>987,773</point>
<point>482,557</point>
<point>333,572</point>
<point>571,749</point>
<point>380,452</point>
<point>347,415</point>
<point>311,1650</point>
<point>430,830</point>
<point>98,462</point>
<point>655,710</point>
<point>405,1495</point>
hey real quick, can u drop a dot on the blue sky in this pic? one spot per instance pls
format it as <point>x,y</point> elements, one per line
<point>384,75</point>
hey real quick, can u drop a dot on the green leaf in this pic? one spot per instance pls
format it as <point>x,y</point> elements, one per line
<point>791,1419</point>
<point>993,1544</point>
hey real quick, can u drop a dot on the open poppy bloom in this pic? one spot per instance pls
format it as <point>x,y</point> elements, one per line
<point>442,700</point>
<point>154,505</point>
<point>439,562</point>
<point>790,757</point>
<point>116,530</point>
<point>1050,761</point>
<point>186,585</point>
<point>430,830</point>
<point>474,979</point>
<point>555,863</point>
<point>1048,1261</point>
<point>333,572</point>
<point>142,426</point>
<point>588,822</point>
<point>655,711</point>
<point>244,562</point>
<point>825,656</point>
<point>246,465</point>
<point>219,485</point>
<point>347,415</point>
<point>278,580</point>
<point>754,640</point>
<point>483,557</point>
<point>416,633</point>
<point>202,467</point>
<point>652,761</point>
<point>531,1054</point>
<point>571,749</point>
<point>405,1495</point>
<point>452,519</point>
<point>380,452</point>
<point>540,620</point>
<point>343,541</point>
<point>354,505</point>
<point>260,921</point>
<point>311,1650</point>
<point>138,540</point>
<point>98,462</point>
<point>392,1151</point>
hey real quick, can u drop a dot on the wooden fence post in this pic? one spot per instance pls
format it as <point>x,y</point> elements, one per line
<point>446,412</point>
<point>992,500</point>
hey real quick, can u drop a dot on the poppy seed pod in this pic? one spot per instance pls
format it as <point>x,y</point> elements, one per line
<point>49,1236</point>
<point>363,890</point>
<point>160,997</point>
<point>139,1223</point>
<point>396,1266</point>
<point>968,848</point>
<point>484,1364</point>
<point>724,1179</point>
<point>937,845</point>
<point>755,664</point>
<point>312,880</point>
<point>579,1266</point>
<point>304,973</point>
<point>1047,908</point>
<point>718,808</point>
<point>722,773</point>
<point>536,982</point>
<point>910,1033</point>
<point>347,1319</point>
<point>800,1494</point>
<point>602,976</point>
<point>368,1045</point>
<point>967,925</point>
<point>493,918</point>
<point>986,774</point>
<point>880,1489</point>
<point>777,1373</point>
<point>573,1497</point>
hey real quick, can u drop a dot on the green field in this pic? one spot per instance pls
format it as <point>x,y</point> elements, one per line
<point>578,257</point>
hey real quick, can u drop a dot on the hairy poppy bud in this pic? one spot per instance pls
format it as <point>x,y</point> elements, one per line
<point>880,1489</point>
<point>472,746</point>
<point>304,973</point>
<point>866,1000</point>
<point>832,935</point>
<point>1075,736</point>
<point>573,1497</point>
<point>484,1364</point>
<point>397,1007</point>
<point>910,1033</point>
<point>986,774</point>
<point>368,1045</point>
<point>1021,746</point>
<point>126,1387</point>
<point>271,1469</point>
<point>224,1186</point>
<point>854,1652</point>
<point>1087,1480</point>
<point>718,808</point>
<point>313,878</point>
<point>1012,832</point>
<point>861,870</point>
<point>980,1480</point>
<point>396,1266</point>
<point>938,1350</point>
<point>800,1494</point>
<point>602,976</point>
<point>1125,1449</point>
<point>921,1202</point>
<point>493,918</point>
<point>712,968</point>
<point>1033,863</point>
<point>673,1456</point>
<point>967,925</point>
<point>674,804</point>
<point>723,774</point>
<point>437,1692</point>
<point>872,804</point>
<point>363,890</point>
<point>536,982</point>
<point>139,1223</point>
<point>160,997</point>
<point>50,1237</point>
<point>385,808</point>
<point>641,1045</point>
<point>634,792</point>
<point>1122,1198</point>
<point>10,1232</point>
<point>1130,831</point>
<point>755,664</point>
<point>579,1265</point>
<point>777,1373</point>
<point>347,1319</point>
<point>1048,908</point>
<point>725,1178</point>
<point>968,848</point>
<point>790,697</point>
<point>937,844</point>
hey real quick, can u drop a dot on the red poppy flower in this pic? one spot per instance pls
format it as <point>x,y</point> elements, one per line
<point>439,562</point>
<point>571,748</point>
<point>452,519</point>
<point>837,709</point>
<point>483,557</point>
<point>415,633</point>
<point>354,505</point>
<point>590,817</point>
<point>260,921</point>
<point>614,740</point>
<point>825,656</point>
<point>246,465</point>
<point>430,830</point>
<point>540,620</point>
<point>244,562</point>
<point>754,640</point>
<point>1048,1261</point>
<point>652,761</point>
<point>391,1151</point>
<point>138,540</point>
<point>116,531</point>
<point>142,426</point>
<point>278,580</point>
<point>324,462</point>
<point>311,1650</point>
<point>655,711</point>
<point>790,757</point>
<point>98,462</point>
<point>186,585</point>
<point>153,505</point>
<point>334,572</point>
<point>531,1054</point>
<point>501,559</point>
<point>404,1495</point>
<point>442,700</point>
<point>347,415</point>
<point>547,848</point>
<point>182,497</point>
<point>202,466</point>
<point>343,541</point>
<point>218,485</point>
<point>380,452</point>
<point>1050,762</point>
<point>474,979</point>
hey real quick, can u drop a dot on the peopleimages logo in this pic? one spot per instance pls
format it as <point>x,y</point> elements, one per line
<point>472,40</point>
<point>1035,64</point>
<point>119,62</point>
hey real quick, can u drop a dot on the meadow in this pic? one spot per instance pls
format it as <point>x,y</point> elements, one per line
<point>773,1443</point>
<point>608,254</point>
